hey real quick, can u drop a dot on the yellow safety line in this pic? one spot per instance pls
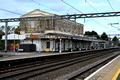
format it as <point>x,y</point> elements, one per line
<point>116,74</point>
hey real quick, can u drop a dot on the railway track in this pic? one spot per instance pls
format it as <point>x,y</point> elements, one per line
<point>39,70</point>
<point>44,60</point>
<point>85,74</point>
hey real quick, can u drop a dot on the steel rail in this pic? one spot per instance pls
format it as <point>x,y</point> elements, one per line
<point>56,64</point>
<point>42,67</point>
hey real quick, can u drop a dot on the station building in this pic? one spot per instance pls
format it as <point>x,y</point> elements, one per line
<point>55,34</point>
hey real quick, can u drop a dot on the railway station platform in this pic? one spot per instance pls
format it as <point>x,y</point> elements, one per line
<point>110,71</point>
<point>7,56</point>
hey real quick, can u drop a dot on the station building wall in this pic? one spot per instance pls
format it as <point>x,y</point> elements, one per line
<point>66,44</point>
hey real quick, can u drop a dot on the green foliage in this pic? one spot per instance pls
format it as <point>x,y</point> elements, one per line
<point>1,32</point>
<point>10,30</point>
<point>88,33</point>
<point>104,36</point>
<point>2,44</point>
<point>119,44</point>
<point>92,34</point>
<point>115,41</point>
<point>17,30</point>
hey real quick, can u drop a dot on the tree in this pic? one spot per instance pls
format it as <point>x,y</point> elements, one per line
<point>92,34</point>
<point>17,30</point>
<point>1,32</point>
<point>104,36</point>
<point>95,34</point>
<point>115,41</point>
<point>2,28</point>
<point>10,29</point>
<point>88,33</point>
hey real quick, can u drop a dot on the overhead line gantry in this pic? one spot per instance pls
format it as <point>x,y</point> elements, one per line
<point>71,16</point>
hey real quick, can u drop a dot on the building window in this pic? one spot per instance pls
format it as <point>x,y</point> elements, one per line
<point>58,25</point>
<point>47,24</point>
<point>53,24</point>
<point>32,24</point>
<point>48,45</point>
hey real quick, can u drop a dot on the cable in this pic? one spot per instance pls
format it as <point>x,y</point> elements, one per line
<point>45,6</point>
<point>113,11</point>
<point>116,27</point>
<point>105,18</point>
<point>91,6</point>
<point>99,23</point>
<point>94,8</point>
<point>10,11</point>
<point>71,6</point>
<point>110,5</point>
<point>112,8</point>
<point>97,11</point>
<point>80,11</point>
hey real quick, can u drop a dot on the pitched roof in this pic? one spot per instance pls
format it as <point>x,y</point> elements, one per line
<point>37,13</point>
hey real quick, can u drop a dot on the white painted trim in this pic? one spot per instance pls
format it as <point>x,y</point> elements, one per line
<point>100,69</point>
<point>60,46</point>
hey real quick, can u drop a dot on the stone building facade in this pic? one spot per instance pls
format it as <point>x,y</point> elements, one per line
<point>55,34</point>
<point>42,26</point>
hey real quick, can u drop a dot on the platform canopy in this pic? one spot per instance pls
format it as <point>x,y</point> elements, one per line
<point>14,37</point>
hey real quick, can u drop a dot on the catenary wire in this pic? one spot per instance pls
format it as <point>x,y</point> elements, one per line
<point>97,11</point>
<point>10,11</point>
<point>45,6</point>
<point>82,13</point>
<point>112,8</point>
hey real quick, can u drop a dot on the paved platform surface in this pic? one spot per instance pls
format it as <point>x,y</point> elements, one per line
<point>21,55</point>
<point>106,72</point>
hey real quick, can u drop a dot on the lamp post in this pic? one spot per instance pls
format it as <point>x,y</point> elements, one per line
<point>14,41</point>
<point>6,32</point>
<point>60,46</point>
<point>18,43</point>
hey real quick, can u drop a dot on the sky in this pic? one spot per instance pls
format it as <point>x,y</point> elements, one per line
<point>99,25</point>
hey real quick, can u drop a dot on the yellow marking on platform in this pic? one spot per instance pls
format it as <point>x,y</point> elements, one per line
<point>116,74</point>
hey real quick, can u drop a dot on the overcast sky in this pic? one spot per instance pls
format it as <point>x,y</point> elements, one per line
<point>99,25</point>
